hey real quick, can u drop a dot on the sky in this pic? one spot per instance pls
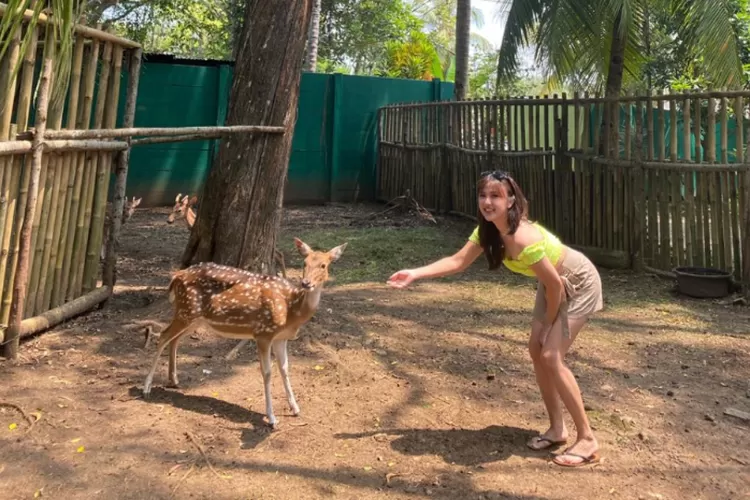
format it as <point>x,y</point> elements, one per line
<point>493,21</point>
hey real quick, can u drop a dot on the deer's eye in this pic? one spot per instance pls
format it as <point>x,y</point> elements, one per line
<point>322,266</point>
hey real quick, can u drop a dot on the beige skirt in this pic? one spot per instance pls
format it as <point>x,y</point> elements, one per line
<point>583,290</point>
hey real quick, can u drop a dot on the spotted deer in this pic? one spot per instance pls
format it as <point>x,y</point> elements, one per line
<point>237,304</point>
<point>127,212</point>
<point>183,209</point>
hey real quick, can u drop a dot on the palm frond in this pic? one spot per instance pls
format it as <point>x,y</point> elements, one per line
<point>523,17</point>
<point>480,42</point>
<point>709,30</point>
<point>570,31</point>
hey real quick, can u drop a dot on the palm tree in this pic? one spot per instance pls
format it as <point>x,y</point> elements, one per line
<point>441,18</point>
<point>313,37</point>
<point>598,44</point>
<point>463,30</point>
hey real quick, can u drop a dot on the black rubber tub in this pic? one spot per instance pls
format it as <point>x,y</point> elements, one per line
<point>702,282</point>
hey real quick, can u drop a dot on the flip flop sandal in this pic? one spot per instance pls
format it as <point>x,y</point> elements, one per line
<point>542,439</point>
<point>590,460</point>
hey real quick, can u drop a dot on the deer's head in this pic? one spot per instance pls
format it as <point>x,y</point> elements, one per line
<point>315,272</point>
<point>129,208</point>
<point>181,206</point>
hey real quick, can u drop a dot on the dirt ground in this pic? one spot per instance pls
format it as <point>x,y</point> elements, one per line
<point>426,392</point>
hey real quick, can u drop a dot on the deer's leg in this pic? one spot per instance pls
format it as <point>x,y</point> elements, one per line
<point>279,350</point>
<point>264,353</point>
<point>173,382</point>
<point>175,329</point>
<point>235,350</point>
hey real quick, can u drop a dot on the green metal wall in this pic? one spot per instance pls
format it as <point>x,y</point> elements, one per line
<point>334,145</point>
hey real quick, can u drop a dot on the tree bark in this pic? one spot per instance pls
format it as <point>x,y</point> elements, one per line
<point>311,62</point>
<point>463,32</point>
<point>240,213</point>
<point>614,87</point>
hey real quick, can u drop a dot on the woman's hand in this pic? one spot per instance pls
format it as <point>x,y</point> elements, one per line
<point>402,279</point>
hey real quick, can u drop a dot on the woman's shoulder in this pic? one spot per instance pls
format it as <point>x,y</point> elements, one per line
<point>528,233</point>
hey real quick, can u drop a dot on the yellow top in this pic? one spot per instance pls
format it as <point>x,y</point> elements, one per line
<point>549,246</point>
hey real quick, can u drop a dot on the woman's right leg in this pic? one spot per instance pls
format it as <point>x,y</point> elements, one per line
<point>557,433</point>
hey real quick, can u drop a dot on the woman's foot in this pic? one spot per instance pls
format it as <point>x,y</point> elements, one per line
<point>547,440</point>
<point>585,451</point>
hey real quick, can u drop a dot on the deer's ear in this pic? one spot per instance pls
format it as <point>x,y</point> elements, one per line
<point>179,197</point>
<point>302,247</point>
<point>335,253</point>
<point>136,202</point>
<point>193,200</point>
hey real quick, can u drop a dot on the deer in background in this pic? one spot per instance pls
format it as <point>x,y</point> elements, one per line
<point>237,304</point>
<point>183,208</point>
<point>127,212</point>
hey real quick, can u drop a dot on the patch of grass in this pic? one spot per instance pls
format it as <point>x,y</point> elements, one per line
<point>373,254</point>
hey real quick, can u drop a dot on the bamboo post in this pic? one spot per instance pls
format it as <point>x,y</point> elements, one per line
<point>87,197</point>
<point>736,185</point>
<point>7,97</point>
<point>22,121</point>
<point>69,167</point>
<point>81,176</point>
<point>678,241</point>
<point>723,192</point>
<point>103,174</point>
<point>53,210</point>
<point>19,291</point>
<point>639,201</point>
<point>41,217</point>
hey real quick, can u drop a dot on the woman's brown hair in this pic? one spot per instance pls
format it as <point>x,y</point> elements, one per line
<point>489,236</point>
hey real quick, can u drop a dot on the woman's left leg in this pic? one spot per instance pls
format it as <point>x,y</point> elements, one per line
<point>553,353</point>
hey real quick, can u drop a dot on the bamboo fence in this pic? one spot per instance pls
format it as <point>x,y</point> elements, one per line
<point>655,198</point>
<point>55,176</point>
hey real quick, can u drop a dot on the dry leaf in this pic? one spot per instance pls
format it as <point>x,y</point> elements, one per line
<point>75,440</point>
<point>367,468</point>
<point>37,415</point>
<point>12,426</point>
<point>80,449</point>
<point>38,493</point>
<point>173,469</point>
<point>317,367</point>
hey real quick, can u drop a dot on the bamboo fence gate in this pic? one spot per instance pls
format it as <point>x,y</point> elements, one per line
<point>55,176</point>
<point>652,201</point>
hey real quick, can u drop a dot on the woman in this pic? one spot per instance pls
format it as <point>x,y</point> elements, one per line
<point>569,293</point>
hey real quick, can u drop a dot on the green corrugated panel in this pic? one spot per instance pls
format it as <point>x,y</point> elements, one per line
<point>334,151</point>
<point>309,174</point>
<point>172,95</point>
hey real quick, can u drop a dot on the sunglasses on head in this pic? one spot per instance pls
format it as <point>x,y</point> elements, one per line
<point>500,175</point>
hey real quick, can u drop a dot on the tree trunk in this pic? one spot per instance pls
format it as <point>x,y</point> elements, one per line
<point>613,89</point>
<point>240,213</point>
<point>311,62</point>
<point>463,31</point>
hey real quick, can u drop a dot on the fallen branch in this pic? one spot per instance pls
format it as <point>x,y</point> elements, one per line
<point>21,411</point>
<point>203,454</point>
<point>405,202</point>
